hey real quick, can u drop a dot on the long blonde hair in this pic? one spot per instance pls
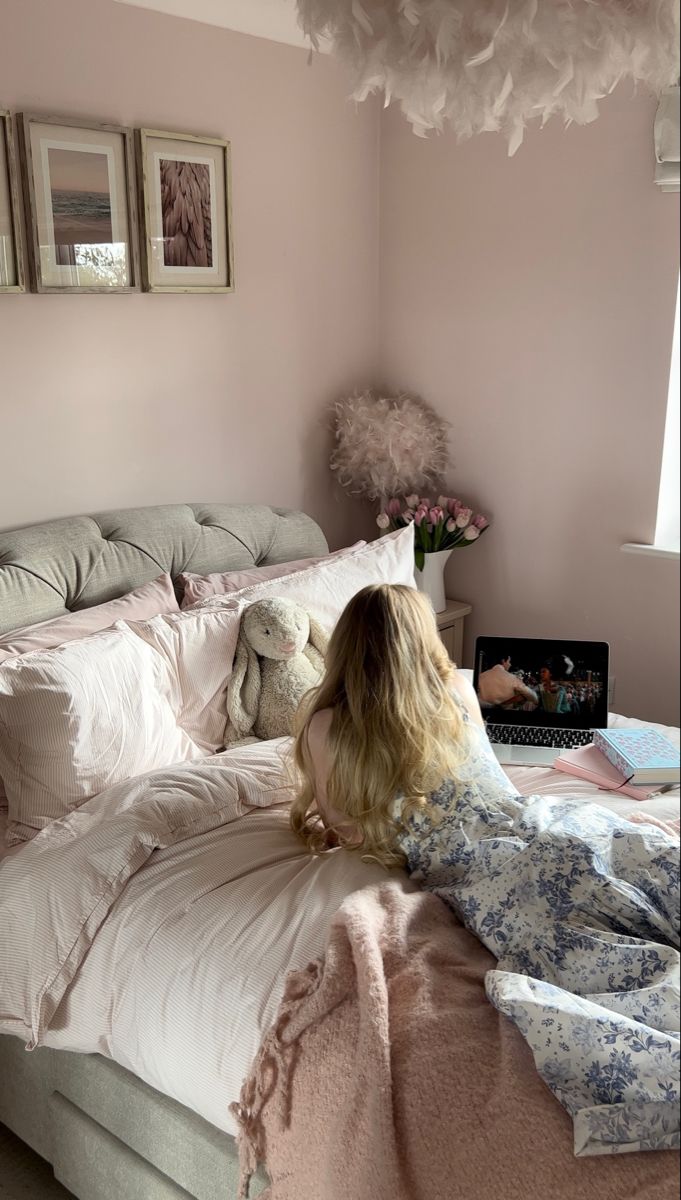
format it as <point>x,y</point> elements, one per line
<point>396,731</point>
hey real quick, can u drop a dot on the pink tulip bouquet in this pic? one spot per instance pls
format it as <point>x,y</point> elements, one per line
<point>442,526</point>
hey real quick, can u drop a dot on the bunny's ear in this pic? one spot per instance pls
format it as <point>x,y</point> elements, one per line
<point>243,690</point>
<point>318,637</point>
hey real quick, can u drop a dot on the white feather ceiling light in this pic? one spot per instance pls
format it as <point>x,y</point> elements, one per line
<point>487,65</point>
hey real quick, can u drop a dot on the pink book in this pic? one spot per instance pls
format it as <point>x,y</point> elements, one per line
<point>589,763</point>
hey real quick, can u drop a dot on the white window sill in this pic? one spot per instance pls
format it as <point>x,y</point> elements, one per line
<point>651,551</point>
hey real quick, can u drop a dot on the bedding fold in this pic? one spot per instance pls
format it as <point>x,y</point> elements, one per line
<point>156,924</point>
<point>56,894</point>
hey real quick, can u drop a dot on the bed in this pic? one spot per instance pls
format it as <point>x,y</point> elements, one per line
<point>156,1126</point>
<point>117,1136</point>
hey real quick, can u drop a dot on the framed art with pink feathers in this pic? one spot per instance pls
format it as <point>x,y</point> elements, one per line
<point>185,198</point>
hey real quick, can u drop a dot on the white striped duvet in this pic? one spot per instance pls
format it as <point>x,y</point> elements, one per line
<point>186,969</point>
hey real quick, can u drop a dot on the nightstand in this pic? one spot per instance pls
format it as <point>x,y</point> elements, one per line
<point>450,623</point>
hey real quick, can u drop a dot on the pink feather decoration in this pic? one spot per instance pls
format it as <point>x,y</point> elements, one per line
<point>388,445</point>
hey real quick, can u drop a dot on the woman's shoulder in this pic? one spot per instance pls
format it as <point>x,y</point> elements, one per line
<point>318,736</point>
<point>320,724</point>
<point>465,692</point>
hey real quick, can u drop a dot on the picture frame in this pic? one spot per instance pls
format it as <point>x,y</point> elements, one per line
<point>11,240</point>
<point>185,198</point>
<point>81,204</point>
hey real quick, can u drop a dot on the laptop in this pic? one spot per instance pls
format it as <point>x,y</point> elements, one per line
<point>540,696</point>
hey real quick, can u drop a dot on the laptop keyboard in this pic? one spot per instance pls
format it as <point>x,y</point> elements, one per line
<point>539,735</point>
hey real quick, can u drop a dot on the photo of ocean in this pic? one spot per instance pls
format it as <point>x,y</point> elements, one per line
<point>81,197</point>
<point>81,217</point>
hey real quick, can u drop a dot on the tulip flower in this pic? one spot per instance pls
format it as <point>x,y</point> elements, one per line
<point>441,526</point>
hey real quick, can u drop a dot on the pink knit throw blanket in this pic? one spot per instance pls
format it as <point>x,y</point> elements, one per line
<point>387,1075</point>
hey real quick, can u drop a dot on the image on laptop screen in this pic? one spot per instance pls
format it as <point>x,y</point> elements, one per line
<point>533,681</point>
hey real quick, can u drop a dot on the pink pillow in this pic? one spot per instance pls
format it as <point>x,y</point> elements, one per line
<point>146,601</point>
<point>220,583</point>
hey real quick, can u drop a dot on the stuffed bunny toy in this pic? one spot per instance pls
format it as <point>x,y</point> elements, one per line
<point>279,656</point>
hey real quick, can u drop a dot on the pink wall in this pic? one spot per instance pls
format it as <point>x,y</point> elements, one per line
<point>125,400</point>
<point>531,300</point>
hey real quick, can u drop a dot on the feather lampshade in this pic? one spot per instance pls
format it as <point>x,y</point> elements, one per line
<point>387,445</point>
<point>485,65</point>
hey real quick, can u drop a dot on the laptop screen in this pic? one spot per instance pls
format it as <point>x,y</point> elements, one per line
<point>532,681</point>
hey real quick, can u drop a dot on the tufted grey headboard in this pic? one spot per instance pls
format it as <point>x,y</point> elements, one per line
<point>48,570</point>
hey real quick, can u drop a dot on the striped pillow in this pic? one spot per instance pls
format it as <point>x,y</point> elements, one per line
<point>199,649</point>
<point>79,718</point>
<point>157,596</point>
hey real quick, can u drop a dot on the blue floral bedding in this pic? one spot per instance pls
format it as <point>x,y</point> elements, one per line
<point>581,909</point>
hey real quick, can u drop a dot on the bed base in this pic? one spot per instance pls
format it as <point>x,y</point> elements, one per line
<point>110,1136</point>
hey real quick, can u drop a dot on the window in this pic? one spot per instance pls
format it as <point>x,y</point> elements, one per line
<point>667,528</point>
<point>666,544</point>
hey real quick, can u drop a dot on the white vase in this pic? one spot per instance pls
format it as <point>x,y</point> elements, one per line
<point>431,579</point>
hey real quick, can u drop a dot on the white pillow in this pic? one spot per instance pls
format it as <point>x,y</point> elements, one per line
<point>198,645</point>
<point>79,718</point>
<point>198,648</point>
<point>325,589</point>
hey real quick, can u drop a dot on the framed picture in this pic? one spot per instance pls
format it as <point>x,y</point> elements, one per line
<point>11,257</point>
<point>185,197</point>
<point>80,204</point>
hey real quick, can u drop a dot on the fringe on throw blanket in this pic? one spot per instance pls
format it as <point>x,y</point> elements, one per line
<point>272,1072</point>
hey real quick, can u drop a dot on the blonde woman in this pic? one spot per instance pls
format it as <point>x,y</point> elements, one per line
<point>390,724</point>
<point>580,906</point>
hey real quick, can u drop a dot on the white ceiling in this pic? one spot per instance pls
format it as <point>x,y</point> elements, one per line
<point>274,19</point>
